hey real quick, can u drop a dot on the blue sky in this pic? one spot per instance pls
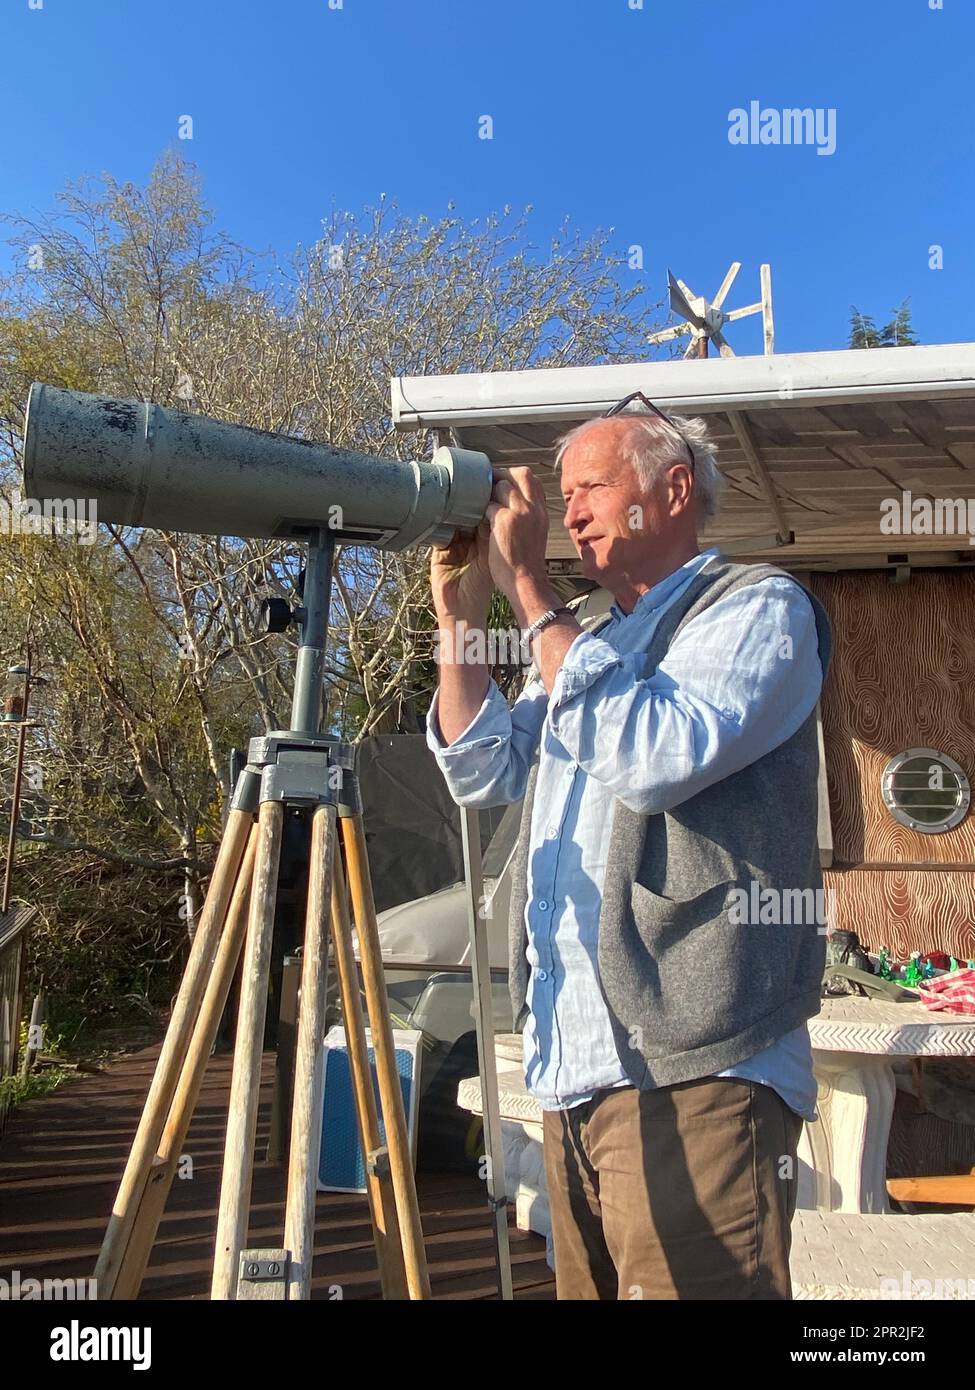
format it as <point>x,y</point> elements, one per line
<point>616,116</point>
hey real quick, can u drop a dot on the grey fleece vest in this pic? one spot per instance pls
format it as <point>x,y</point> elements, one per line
<point>692,990</point>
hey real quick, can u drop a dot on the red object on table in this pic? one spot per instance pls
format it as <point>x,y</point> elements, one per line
<point>954,993</point>
<point>939,959</point>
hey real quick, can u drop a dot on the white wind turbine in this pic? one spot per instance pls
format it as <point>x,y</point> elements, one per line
<point>704,321</point>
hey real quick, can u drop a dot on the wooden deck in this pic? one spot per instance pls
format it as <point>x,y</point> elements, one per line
<point>62,1156</point>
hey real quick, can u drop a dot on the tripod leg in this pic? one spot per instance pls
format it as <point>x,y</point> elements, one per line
<point>166,1077</point>
<point>382,1199</point>
<point>238,1167</point>
<point>390,1095</point>
<point>157,1189</point>
<point>306,1114</point>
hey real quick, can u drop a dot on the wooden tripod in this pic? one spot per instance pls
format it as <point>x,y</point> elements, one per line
<point>297,769</point>
<point>241,904</point>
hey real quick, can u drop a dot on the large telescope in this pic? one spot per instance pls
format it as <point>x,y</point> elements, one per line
<point>148,465</point>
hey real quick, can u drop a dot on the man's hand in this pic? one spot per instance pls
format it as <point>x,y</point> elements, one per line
<point>506,551</point>
<point>460,577</point>
<point>519,529</point>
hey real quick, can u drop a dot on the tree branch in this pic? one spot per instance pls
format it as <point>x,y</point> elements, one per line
<point>140,861</point>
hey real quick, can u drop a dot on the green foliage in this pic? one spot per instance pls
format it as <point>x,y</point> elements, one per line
<point>108,943</point>
<point>15,1090</point>
<point>863,331</point>
<point>899,332</point>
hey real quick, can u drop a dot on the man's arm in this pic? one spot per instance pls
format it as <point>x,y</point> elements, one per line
<point>463,684</point>
<point>483,749</point>
<point>488,763</point>
<point>532,596</point>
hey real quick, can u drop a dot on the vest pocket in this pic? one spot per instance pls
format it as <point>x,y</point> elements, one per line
<point>662,921</point>
<point>680,972</point>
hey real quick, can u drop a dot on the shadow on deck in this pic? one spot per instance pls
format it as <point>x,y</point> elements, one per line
<point>63,1154</point>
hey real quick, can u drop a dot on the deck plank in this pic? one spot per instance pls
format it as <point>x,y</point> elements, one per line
<point>62,1156</point>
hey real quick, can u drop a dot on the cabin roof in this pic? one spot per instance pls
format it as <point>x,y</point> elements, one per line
<point>811,443</point>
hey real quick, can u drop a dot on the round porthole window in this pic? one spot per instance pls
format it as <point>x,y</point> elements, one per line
<point>925,790</point>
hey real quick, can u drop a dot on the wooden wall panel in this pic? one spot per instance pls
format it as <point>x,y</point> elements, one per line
<point>907,910</point>
<point>902,676</point>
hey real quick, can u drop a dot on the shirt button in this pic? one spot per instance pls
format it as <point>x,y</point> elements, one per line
<point>542,905</point>
<point>543,974</point>
<point>552,831</point>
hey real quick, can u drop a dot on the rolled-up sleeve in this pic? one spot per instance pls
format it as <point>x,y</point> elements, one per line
<point>736,682</point>
<point>487,764</point>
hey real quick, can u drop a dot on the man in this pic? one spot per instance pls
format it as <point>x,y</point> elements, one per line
<point>669,764</point>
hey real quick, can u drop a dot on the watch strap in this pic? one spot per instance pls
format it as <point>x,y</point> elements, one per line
<point>541,623</point>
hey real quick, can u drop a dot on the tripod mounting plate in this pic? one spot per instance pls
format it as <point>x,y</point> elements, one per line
<point>265,749</point>
<point>309,769</point>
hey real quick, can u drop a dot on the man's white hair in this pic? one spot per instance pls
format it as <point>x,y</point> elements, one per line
<point>654,447</point>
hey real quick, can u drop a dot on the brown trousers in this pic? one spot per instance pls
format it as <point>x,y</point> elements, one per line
<point>684,1192</point>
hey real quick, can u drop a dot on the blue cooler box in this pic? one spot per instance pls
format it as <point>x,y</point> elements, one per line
<point>341,1165</point>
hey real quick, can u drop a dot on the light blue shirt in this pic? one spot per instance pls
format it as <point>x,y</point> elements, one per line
<point>739,680</point>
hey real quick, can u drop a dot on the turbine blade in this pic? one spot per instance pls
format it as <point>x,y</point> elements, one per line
<point>743,313</point>
<point>666,334</point>
<point>726,285</point>
<point>680,301</point>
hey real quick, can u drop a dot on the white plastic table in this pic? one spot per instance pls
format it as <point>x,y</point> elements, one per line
<point>842,1154</point>
<point>856,1043</point>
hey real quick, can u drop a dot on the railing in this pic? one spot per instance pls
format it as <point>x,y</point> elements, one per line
<point>13,960</point>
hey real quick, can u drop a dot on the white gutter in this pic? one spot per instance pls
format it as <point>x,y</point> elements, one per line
<point>942,371</point>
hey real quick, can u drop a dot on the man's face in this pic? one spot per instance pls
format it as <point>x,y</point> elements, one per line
<point>612,521</point>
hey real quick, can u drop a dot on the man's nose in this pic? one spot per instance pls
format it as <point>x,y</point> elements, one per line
<point>576,514</point>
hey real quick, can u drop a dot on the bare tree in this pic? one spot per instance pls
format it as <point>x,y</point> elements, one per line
<point>155,637</point>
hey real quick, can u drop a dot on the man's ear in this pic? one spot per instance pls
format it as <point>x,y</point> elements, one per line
<point>680,489</point>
